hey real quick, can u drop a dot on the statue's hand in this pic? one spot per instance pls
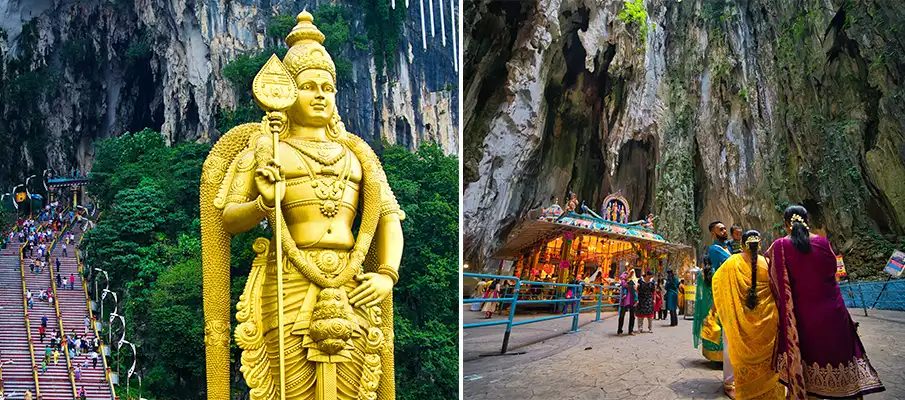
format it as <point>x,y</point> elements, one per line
<point>373,289</point>
<point>266,178</point>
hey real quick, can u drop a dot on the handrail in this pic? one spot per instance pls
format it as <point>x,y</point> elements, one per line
<point>577,297</point>
<point>31,346</point>
<point>56,301</point>
<point>91,314</point>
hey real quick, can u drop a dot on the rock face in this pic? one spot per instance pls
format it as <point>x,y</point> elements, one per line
<point>695,110</point>
<point>85,70</point>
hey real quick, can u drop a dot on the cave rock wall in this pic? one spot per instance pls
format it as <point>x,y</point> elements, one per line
<point>97,68</point>
<point>700,110</point>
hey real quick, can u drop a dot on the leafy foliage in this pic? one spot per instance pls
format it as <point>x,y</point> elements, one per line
<point>149,242</point>
<point>426,185</point>
<point>241,73</point>
<point>634,11</point>
<point>384,25</point>
<point>279,26</point>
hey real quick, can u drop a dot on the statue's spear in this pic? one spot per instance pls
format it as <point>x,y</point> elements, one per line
<point>275,91</point>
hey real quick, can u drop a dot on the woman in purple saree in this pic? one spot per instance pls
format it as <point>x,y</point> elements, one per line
<point>818,352</point>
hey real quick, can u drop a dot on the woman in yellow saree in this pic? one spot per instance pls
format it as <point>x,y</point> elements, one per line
<point>745,303</point>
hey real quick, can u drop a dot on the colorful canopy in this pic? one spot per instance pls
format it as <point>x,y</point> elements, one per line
<point>547,224</point>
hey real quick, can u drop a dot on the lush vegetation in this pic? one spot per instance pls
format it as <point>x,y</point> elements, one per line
<point>384,26</point>
<point>148,240</point>
<point>634,12</point>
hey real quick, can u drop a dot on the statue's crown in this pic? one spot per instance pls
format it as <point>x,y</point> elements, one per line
<point>306,50</point>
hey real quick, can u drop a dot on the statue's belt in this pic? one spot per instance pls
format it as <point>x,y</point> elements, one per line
<point>326,260</point>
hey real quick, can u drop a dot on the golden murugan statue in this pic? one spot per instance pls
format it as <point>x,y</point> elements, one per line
<point>316,316</point>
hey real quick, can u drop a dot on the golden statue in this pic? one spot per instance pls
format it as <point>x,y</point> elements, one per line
<point>319,326</point>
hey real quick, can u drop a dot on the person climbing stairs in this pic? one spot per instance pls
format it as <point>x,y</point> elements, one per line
<point>15,360</point>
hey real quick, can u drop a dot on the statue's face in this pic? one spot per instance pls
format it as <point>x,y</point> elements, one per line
<point>317,98</point>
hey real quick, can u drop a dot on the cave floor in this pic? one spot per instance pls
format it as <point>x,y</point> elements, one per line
<point>545,363</point>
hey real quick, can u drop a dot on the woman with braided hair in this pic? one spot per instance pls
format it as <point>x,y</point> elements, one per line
<point>745,304</point>
<point>809,304</point>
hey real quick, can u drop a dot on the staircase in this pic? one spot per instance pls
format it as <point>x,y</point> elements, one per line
<point>17,376</point>
<point>73,310</point>
<point>55,383</point>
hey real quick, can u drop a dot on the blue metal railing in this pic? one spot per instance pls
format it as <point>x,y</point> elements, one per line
<point>872,294</point>
<point>559,297</point>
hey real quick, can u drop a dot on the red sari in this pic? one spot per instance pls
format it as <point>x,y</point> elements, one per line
<point>810,361</point>
<point>658,300</point>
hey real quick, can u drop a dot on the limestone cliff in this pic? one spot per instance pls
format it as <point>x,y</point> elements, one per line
<point>74,71</point>
<point>696,110</point>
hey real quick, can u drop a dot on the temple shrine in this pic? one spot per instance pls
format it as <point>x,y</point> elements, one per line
<point>561,245</point>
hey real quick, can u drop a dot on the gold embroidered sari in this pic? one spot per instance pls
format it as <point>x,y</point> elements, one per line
<point>751,334</point>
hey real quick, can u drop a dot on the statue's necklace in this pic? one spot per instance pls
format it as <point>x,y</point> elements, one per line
<point>324,153</point>
<point>330,188</point>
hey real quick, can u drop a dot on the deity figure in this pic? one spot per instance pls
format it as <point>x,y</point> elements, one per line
<point>318,323</point>
<point>573,202</point>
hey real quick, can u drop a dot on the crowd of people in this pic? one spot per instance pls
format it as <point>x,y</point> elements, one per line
<point>36,235</point>
<point>648,298</point>
<point>765,315</point>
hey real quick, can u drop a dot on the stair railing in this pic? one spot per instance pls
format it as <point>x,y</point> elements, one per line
<point>31,347</point>
<point>78,260</point>
<point>2,393</point>
<point>56,302</point>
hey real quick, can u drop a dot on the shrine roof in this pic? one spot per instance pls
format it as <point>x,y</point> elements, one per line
<point>544,225</point>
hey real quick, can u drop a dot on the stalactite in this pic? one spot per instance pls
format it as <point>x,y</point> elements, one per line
<point>452,17</point>
<point>442,23</point>
<point>423,34</point>
<point>430,7</point>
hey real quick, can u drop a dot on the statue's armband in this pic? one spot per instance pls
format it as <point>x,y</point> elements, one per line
<point>388,203</point>
<point>240,187</point>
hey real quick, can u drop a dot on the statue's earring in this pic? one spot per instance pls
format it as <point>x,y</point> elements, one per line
<point>336,129</point>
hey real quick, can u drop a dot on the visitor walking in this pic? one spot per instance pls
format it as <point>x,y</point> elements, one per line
<point>58,265</point>
<point>64,251</point>
<point>658,300</point>
<point>87,324</point>
<point>811,309</point>
<point>56,356</point>
<point>83,395</point>
<point>747,310</point>
<point>627,301</point>
<point>492,292</point>
<point>59,279</point>
<point>78,373</point>
<point>479,290</point>
<point>672,297</point>
<point>646,301</point>
<point>44,321</point>
<point>41,332</point>
<point>706,328</point>
<point>71,281</point>
<point>94,357</point>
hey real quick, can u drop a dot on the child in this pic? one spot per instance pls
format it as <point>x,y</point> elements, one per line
<point>658,301</point>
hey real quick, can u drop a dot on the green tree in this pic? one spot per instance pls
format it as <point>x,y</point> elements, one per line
<point>426,184</point>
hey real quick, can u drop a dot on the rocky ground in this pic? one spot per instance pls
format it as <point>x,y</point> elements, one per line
<point>544,363</point>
